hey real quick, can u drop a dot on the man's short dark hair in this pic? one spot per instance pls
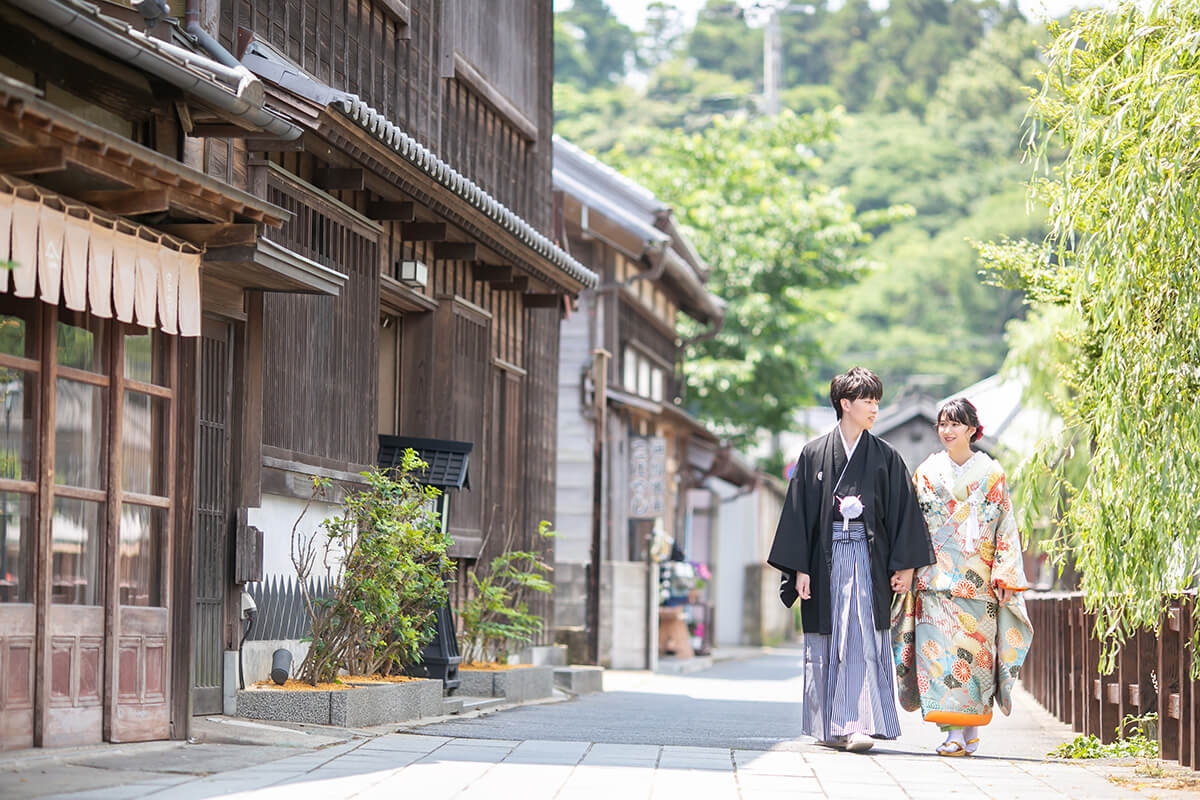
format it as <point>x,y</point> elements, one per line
<point>855,384</point>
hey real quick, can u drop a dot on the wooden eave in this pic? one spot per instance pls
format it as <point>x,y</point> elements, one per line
<point>98,160</point>
<point>269,266</point>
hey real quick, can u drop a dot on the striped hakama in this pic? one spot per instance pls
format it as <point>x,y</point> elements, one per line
<point>849,682</point>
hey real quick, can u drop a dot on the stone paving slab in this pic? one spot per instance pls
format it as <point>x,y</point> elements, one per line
<point>472,769</point>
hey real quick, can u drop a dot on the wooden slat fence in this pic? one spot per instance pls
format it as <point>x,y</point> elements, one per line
<point>1152,674</point>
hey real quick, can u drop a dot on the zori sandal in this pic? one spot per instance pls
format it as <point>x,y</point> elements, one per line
<point>972,746</point>
<point>951,749</point>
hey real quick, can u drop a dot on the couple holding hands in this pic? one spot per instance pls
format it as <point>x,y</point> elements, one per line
<point>908,587</point>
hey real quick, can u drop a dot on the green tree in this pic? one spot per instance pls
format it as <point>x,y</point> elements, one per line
<point>592,48</point>
<point>723,41</point>
<point>1121,97</point>
<point>744,187</point>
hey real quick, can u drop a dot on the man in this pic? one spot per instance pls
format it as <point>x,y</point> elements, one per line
<point>849,536</point>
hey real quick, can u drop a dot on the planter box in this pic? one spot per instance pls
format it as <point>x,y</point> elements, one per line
<point>514,685</point>
<point>579,679</point>
<point>359,707</point>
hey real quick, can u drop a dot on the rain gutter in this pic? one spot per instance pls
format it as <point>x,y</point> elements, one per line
<point>233,90</point>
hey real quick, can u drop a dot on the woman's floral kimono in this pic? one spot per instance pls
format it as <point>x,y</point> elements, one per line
<point>965,649</point>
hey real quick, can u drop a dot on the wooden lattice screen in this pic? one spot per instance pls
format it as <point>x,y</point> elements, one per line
<point>319,370</point>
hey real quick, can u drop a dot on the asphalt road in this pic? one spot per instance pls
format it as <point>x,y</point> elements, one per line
<point>751,705</point>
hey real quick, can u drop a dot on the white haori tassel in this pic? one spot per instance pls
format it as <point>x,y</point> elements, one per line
<point>851,507</point>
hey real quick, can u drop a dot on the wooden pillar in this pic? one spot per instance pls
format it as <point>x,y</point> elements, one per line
<point>183,531</point>
<point>1168,685</point>
<point>1093,721</point>
<point>599,446</point>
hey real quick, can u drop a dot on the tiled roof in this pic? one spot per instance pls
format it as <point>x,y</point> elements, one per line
<point>424,159</point>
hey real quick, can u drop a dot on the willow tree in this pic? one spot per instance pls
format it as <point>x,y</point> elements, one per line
<point>1122,99</point>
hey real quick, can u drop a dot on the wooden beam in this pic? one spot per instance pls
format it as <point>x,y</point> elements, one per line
<point>219,130</point>
<point>423,231</point>
<point>455,251</point>
<point>398,9</point>
<point>185,117</point>
<point>517,284</point>
<point>275,145</point>
<point>339,178</point>
<point>31,160</point>
<point>129,203</point>
<point>542,300</point>
<point>397,211</point>
<point>491,272</point>
<point>214,234</point>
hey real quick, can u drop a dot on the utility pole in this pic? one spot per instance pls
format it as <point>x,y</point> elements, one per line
<point>599,446</point>
<point>772,63</point>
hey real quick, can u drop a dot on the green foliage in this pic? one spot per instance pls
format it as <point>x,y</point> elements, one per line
<point>592,48</point>
<point>929,161</point>
<point>389,583</point>
<point>1120,99</point>
<point>1135,745</point>
<point>772,234</point>
<point>723,42</point>
<point>497,618</point>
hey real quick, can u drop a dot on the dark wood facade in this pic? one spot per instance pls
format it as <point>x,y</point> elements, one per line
<point>307,338</point>
<point>471,355</point>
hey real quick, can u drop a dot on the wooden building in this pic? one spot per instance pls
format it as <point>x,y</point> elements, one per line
<point>250,238</point>
<point>653,451</point>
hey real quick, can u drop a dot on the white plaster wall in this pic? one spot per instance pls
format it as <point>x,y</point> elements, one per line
<point>734,546</point>
<point>256,657</point>
<point>275,518</point>
<point>573,492</point>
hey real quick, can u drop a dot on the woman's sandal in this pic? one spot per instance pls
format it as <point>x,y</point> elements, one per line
<point>951,749</point>
<point>972,746</point>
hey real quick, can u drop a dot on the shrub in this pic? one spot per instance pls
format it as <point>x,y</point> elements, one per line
<point>389,583</point>
<point>497,618</point>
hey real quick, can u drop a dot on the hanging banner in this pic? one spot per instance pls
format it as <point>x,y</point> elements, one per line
<point>647,477</point>
<point>72,255</point>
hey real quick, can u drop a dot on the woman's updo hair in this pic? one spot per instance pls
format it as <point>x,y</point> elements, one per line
<point>962,411</point>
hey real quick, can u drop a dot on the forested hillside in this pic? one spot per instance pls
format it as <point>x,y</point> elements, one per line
<point>922,107</point>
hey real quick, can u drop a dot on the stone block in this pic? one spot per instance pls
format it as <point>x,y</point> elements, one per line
<point>362,706</point>
<point>311,706</point>
<point>514,685</point>
<point>380,704</point>
<point>524,684</point>
<point>476,682</point>
<point>579,679</point>
<point>545,655</point>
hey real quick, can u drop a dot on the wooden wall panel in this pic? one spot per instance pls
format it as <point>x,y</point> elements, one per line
<point>319,352</point>
<point>358,46</point>
<point>540,462</point>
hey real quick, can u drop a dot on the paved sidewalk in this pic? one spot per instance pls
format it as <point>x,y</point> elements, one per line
<point>434,767</point>
<point>726,733</point>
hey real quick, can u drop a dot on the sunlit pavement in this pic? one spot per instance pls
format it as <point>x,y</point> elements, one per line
<point>638,740</point>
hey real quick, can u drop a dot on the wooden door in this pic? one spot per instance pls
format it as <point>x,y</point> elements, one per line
<point>143,469</point>
<point>74,521</point>
<point>214,515</point>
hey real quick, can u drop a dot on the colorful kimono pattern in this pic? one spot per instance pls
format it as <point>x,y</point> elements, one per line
<point>965,650</point>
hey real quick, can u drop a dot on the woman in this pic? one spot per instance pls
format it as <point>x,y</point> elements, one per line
<point>961,640</point>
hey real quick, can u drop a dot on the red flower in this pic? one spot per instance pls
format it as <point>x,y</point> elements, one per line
<point>984,659</point>
<point>964,588</point>
<point>923,684</point>
<point>907,653</point>
<point>961,670</point>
